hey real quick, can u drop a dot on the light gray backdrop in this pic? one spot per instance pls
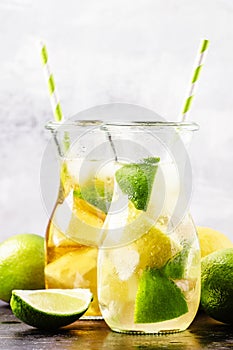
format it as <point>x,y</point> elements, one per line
<point>134,51</point>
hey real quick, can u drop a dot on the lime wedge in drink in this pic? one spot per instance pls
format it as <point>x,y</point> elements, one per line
<point>175,267</point>
<point>136,180</point>
<point>97,193</point>
<point>50,308</point>
<point>158,298</point>
<point>85,223</point>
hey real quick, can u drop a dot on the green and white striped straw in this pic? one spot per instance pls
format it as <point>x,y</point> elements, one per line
<point>195,77</point>
<point>56,106</point>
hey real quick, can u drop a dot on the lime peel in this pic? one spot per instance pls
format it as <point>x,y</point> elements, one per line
<point>96,193</point>
<point>22,260</point>
<point>158,298</point>
<point>175,267</point>
<point>136,181</point>
<point>217,285</point>
<point>51,308</point>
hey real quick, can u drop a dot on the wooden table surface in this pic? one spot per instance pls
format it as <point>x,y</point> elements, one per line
<point>204,333</point>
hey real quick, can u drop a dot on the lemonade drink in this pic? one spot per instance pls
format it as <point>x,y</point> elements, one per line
<point>139,292</point>
<point>151,284</point>
<point>123,198</point>
<point>70,264</point>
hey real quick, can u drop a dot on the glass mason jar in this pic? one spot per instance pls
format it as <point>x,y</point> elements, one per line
<point>149,263</point>
<point>72,262</point>
<point>122,214</point>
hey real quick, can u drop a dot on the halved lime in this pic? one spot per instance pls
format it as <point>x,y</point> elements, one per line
<point>136,180</point>
<point>158,298</point>
<point>50,308</point>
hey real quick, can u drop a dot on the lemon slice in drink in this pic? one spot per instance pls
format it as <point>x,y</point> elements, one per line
<point>72,269</point>
<point>50,308</point>
<point>155,248</point>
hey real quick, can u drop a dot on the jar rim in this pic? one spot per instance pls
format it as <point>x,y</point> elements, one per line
<point>54,125</point>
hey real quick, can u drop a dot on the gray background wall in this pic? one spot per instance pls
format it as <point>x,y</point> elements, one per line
<point>134,51</point>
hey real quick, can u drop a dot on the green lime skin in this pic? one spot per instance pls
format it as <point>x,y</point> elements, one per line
<point>22,260</point>
<point>98,195</point>
<point>40,319</point>
<point>175,267</point>
<point>217,285</point>
<point>158,298</point>
<point>136,181</point>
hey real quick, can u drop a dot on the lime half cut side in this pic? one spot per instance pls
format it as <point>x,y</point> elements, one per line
<point>50,308</point>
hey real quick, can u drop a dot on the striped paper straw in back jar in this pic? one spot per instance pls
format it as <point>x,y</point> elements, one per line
<point>56,106</point>
<point>195,77</point>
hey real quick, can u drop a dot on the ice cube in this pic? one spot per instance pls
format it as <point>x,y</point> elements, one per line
<point>125,261</point>
<point>165,191</point>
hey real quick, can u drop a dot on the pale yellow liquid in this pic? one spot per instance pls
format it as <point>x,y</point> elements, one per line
<point>120,270</point>
<point>68,263</point>
<point>74,265</point>
<point>71,265</point>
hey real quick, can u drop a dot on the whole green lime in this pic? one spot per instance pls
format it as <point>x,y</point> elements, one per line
<point>22,259</point>
<point>217,285</point>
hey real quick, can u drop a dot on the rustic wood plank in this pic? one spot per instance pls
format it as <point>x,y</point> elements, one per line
<point>204,333</point>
